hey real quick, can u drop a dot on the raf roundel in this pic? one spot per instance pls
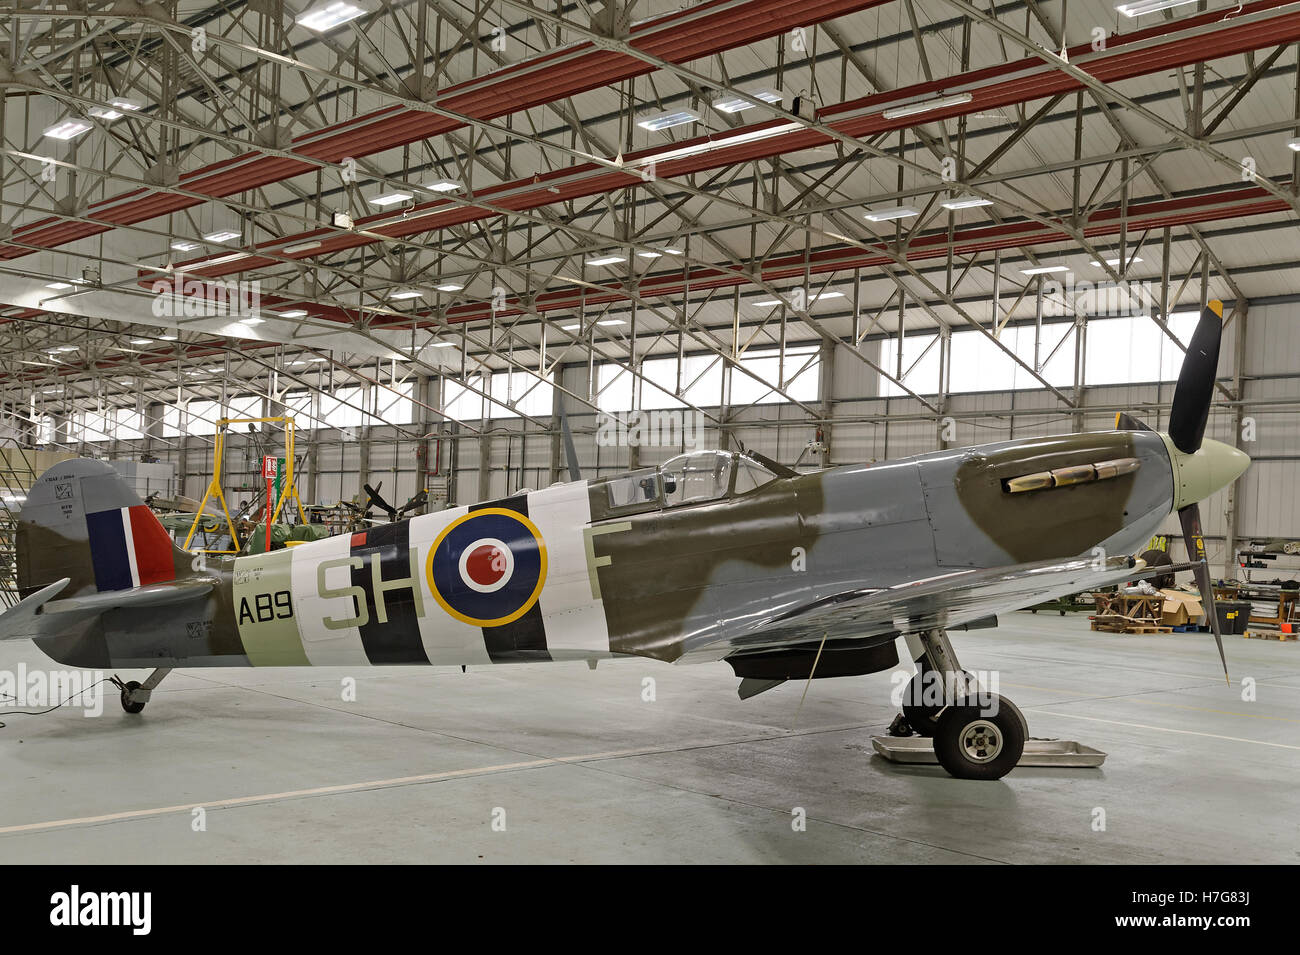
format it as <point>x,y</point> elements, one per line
<point>487,568</point>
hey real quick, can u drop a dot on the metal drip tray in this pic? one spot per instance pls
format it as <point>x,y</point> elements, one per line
<point>1038,752</point>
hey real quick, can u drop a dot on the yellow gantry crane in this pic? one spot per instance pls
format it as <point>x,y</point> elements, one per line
<point>288,492</point>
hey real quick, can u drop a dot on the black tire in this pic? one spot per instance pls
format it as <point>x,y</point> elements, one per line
<point>127,704</point>
<point>922,716</point>
<point>974,743</point>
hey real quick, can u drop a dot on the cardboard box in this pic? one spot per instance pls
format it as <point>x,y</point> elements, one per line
<point>1180,608</point>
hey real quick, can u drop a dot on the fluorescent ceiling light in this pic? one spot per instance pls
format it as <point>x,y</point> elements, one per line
<point>1115,261</point>
<point>1045,269</point>
<point>140,341</point>
<point>105,113</point>
<point>184,245</point>
<point>607,260</point>
<point>59,285</point>
<point>221,235</point>
<point>223,259</point>
<point>708,145</point>
<point>965,202</point>
<point>1138,7</point>
<point>293,313</point>
<point>327,16</point>
<point>124,103</point>
<point>926,105</point>
<point>570,328</point>
<point>441,345</point>
<point>656,253</point>
<point>167,338</point>
<point>67,129</point>
<point>890,212</point>
<point>667,120</point>
<point>611,321</point>
<point>251,321</point>
<point>769,302</point>
<point>442,185</point>
<point>390,198</point>
<point>404,293</point>
<point>735,104</point>
<point>300,247</point>
<point>62,349</point>
<point>449,287</point>
<point>1293,144</point>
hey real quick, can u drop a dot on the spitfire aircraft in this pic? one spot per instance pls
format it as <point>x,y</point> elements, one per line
<point>712,556</point>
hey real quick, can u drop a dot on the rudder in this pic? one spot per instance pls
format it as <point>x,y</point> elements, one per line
<point>82,520</point>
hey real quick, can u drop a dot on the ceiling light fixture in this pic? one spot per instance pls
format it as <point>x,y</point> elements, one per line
<point>443,185</point>
<point>449,287</point>
<point>965,202</point>
<point>293,313</point>
<point>67,129</point>
<point>184,245</point>
<point>926,105</point>
<point>221,235</point>
<point>737,104</point>
<point>607,260</point>
<point>1045,269</point>
<point>655,122</point>
<point>404,293</point>
<point>328,16</point>
<point>1115,261</point>
<point>890,212</point>
<point>300,247</point>
<point>390,198</point>
<point>1138,7</point>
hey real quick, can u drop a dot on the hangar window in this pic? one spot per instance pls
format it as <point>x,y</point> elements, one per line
<point>691,478</point>
<point>801,369</point>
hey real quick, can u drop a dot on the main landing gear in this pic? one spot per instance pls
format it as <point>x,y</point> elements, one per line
<point>135,694</point>
<point>977,735</point>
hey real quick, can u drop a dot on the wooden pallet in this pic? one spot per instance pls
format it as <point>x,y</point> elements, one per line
<point>1269,635</point>
<point>1129,627</point>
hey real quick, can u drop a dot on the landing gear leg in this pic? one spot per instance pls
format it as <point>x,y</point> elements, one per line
<point>976,736</point>
<point>135,694</point>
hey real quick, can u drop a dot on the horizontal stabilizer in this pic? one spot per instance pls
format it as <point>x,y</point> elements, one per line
<point>151,595</point>
<point>20,620</point>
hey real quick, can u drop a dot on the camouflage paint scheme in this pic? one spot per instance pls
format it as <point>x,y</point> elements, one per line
<point>856,555</point>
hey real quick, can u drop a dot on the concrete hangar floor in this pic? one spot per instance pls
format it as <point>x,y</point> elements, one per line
<point>557,764</point>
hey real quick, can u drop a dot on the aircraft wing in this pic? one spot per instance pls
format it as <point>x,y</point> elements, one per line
<point>948,600</point>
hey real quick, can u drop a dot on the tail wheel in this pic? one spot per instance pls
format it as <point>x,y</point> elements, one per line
<point>127,703</point>
<point>977,742</point>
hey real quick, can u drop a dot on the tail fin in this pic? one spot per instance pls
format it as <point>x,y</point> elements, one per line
<point>82,521</point>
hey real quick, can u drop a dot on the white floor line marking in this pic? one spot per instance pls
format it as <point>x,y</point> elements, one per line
<point>1146,726</point>
<point>408,780</point>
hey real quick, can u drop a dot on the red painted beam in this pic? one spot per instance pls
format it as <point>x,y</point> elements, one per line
<point>1147,51</point>
<point>678,37</point>
<point>1230,203</point>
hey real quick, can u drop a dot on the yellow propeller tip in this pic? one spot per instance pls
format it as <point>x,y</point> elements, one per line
<point>1216,307</point>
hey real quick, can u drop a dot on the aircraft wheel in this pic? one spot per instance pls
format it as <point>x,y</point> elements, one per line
<point>922,716</point>
<point>127,703</point>
<point>973,743</point>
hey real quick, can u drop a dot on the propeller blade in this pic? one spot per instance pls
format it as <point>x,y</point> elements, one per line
<point>1190,517</point>
<point>1195,390</point>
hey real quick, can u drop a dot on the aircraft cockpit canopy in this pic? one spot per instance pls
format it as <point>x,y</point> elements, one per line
<point>693,478</point>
